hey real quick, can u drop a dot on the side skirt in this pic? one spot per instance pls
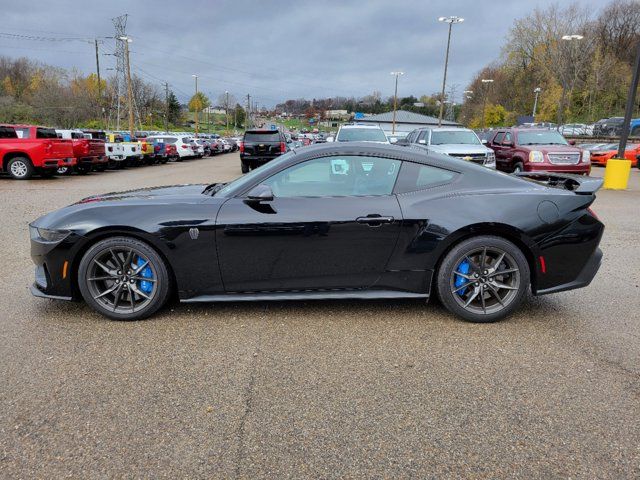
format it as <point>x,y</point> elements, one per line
<point>311,295</point>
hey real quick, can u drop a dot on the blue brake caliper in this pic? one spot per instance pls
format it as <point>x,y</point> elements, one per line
<point>146,272</point>
<point>464,268</point>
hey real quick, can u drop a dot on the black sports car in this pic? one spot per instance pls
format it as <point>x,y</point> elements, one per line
<point>338,220</point>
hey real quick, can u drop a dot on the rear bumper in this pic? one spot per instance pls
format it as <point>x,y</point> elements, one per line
<point>583,279</point>
<point>258,158</point>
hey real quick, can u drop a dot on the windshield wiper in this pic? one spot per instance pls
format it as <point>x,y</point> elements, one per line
<point>213,189</point>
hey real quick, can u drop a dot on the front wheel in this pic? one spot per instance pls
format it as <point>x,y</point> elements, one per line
<point>483,279</point>
<point>518,167</point>
<point>123,279</point>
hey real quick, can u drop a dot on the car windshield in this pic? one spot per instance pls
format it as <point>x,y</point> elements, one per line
<point>241,182</point>
<point>361,135</point>
<point>454,137</point>
<point>546,137</point>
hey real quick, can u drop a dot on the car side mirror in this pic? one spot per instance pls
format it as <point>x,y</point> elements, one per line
<point>572,142</point>
<point>393,140</point>
<point>330,139</point>
<point>484,141</point>
<point>401,141</point>
<point>422,142</point>
<point>260,193</point>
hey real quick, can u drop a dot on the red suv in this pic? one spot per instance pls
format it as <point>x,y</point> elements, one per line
<point>534,150</point>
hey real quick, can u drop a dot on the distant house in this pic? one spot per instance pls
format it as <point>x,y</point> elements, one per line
<point>337,114</point>
<point>212,110</point>
<point>405,121</point>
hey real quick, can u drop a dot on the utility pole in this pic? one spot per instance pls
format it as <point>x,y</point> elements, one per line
<point>226,109</point>
<point>196,103</point>
<point>450,20</point>
<point>126,41</point>
<point>395,101</point>
<point>166,107</point>
<point>247,120</point>
<point>95,40</point>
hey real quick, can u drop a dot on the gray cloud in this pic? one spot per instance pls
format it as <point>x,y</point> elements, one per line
<point>275,49</point>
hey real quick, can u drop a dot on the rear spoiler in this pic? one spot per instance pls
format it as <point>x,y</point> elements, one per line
<point>576,183</point>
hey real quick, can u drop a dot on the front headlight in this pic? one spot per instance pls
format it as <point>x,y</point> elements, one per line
<point>536,156</point>
<point>47,235</point>
<point>586,156</point>
<point>490,162</point>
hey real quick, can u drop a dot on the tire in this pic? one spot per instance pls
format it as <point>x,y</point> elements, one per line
<point>20,168</point>
<point>244,167</point>
<point>108,289</point>
<point>518,167</point>
<point>491,297</point>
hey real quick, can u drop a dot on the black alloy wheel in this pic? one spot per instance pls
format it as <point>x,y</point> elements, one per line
<point>123,279</point>
<point>483,279</point>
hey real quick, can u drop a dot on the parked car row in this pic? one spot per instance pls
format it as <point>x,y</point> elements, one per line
<point>28,150</point>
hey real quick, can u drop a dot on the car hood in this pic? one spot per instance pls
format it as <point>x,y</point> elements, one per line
<point>459,149</point>
<point>90,211</point>
<point>162,194</point>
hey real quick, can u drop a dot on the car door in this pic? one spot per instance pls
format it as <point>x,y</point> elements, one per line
<point>332,223</point>
<point>508,147</point>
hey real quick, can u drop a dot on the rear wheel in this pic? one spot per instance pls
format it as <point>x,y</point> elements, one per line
<point>244,167</point>
<point>20,168</point>
<point>483,279</point>
<point>123,279</point>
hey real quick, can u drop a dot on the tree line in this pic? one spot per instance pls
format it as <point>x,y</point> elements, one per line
<point>580,79</point>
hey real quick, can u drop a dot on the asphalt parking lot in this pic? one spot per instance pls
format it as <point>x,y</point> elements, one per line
<point>316,389</point>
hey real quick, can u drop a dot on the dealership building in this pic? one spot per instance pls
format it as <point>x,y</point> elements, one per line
<point>405,121</point>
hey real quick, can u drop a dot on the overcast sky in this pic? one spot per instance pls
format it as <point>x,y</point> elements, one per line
<point>275,49</point>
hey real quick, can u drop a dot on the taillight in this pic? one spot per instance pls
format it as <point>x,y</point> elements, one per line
<point>283,147</point>
<point>592,213</point>
<point>241,147</point>
<point>185,146</point>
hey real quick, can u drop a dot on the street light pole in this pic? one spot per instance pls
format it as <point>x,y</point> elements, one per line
<point>535,103</point>
<point>195,104</point>
<point>450,20</point>
<point>226,109</point>
<point>571,39</point>
<point>629,108</point>
<point>484,99</point>
<point>395,101</point>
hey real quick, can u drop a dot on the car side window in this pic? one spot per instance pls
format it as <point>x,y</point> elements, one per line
<point>336,176</point>
<point>416,176</point>
<point>498,138</point>
<point>423,136</point>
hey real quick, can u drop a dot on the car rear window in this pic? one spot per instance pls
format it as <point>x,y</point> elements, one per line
<point>361,135</point>
<point>262,136</point>
<point>7,132</point>
<point>414,176</point>
<point>46,133</point>
<point>77,135</point>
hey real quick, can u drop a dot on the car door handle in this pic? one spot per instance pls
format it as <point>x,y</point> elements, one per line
<point>374,220</point>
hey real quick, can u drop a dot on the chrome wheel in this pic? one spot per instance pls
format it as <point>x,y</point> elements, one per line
<point>19,169</point>
<point>485,281</point>
<point>122,279</point>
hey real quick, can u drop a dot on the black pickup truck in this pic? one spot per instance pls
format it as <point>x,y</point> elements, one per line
<point>260,146</point>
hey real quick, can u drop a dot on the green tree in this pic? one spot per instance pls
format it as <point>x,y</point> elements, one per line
<point>199,102</point>
<point>174,108</point>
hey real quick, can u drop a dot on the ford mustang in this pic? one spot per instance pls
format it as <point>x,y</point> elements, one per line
<point>332,221</point>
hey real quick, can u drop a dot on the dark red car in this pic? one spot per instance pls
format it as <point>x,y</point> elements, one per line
<point>533,150</point>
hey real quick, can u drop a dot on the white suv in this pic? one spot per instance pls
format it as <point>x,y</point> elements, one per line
<point>360,133</point>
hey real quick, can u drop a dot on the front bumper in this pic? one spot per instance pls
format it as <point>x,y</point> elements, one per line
<point>579,169</point>
<point>583,279</point>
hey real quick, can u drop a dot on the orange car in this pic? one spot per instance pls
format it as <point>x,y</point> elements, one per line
<point>600,155</point>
